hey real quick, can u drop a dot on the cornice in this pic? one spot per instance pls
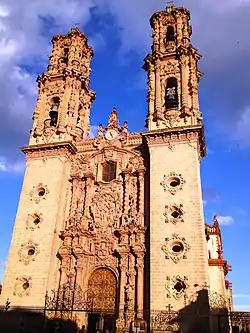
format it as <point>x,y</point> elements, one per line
<point>176,136</point>
<point>50,150</point>
<point>220,263</point>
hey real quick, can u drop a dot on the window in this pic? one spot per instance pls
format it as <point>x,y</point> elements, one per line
<point>65,55</point>
<point>109,171</point>
<point>55,102</point>
<point>170,34</point>
<point>171,97</point>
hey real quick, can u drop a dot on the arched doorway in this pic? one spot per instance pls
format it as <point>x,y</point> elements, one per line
<point>102,288</point>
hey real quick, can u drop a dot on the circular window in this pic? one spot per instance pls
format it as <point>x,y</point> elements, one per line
<point>177,248</point>
<point>31,252</point>
<point>175,214</point>
<point>41,192</point>
<point>174,182</point>
<point>26,285</point>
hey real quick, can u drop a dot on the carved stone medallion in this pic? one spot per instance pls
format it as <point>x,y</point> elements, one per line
<point>106,206</point>
<point>175,248</point>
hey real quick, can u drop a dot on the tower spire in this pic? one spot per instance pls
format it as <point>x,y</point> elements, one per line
<point>173,74</point>
<point>64,97</point>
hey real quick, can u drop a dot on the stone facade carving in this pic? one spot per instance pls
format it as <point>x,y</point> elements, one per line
<point>39,192</point>
<point>175,248</point>
<point>174,213</point>
<point>165,321</point>
<point>106,206</point>
<point>22,286</point>
<point>34,221</point>
<point>28,252</point>
<point>173,182</point>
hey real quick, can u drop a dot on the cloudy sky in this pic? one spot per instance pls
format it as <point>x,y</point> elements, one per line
<point>120,33</point>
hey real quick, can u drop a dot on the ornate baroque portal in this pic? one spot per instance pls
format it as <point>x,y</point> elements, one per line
<point>103,286</point>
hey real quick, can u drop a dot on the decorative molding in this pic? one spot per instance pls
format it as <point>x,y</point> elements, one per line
<point>174,214</point>
<point>39,192</point>
<point>49,150</point>
<point>28,252</point>
<point>34,220</point>
<point>173,182</point>
<point>176,136</point>
<point>175,248</point>
<point>167,286</point>
<point>176,286</point>
<point>22,286</point>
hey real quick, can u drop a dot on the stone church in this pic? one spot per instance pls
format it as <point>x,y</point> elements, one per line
<point>110,230</point>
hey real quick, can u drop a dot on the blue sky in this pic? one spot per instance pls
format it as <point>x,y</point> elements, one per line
<point>120,34</point>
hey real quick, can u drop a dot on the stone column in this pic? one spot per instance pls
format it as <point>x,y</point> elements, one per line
<point>184,83</point>
<point>88,195</point>
<point>62,112</point>
<point>123,269</point>
<point>79,269</point>
<point>151,94</point>
<point>40,110</point>
<point>126,194</point>
<point>158,92</point>
<point>140,284</point>
<point>64,269</point>
<point>141,195</point>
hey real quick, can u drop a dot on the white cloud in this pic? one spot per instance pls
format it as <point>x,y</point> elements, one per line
<point>204,203</point>
<point>11,167</point>
<point>225,220</point>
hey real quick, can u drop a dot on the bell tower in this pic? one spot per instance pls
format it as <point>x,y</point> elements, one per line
<point>64,97</point>
<point>173,74</point>
<point>175,140</point>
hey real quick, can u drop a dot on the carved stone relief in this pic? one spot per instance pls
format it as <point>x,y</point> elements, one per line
<point>174,213</point>
<point>176,286</point>
<point>179,286</point>
<point>39,192</point>
<point>106,206</point>
<point>34,221</point>
<point>22,286</point>
<point>175,248</point>
<point>28,252</point>
<point>164,321</point>
<point>173,183</point>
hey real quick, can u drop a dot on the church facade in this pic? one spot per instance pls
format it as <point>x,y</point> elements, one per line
<point>114,224</point>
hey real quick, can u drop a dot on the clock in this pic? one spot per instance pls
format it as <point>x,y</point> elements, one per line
<point>111,134</point>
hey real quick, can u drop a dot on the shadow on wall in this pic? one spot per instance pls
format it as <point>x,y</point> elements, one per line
<point>195,317</point>
<point>24,321</point>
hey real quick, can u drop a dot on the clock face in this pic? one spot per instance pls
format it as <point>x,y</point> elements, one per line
<point>111,134</point>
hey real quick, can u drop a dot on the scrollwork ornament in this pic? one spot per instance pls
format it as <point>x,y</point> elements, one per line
<point>167,286</point>
<point>33,221</point>
<point>175,248</point>
<point>174,213</point>
<point>173,182</point>
<point>22,286</point>
<point>179,286</point>
<point>39,192</point>
<point>28,252</point>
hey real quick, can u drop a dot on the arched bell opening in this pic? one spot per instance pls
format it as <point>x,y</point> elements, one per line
<point>102,290</point>
<point>170,36</point>
<point>55,102</point>
<point>171,94</point>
